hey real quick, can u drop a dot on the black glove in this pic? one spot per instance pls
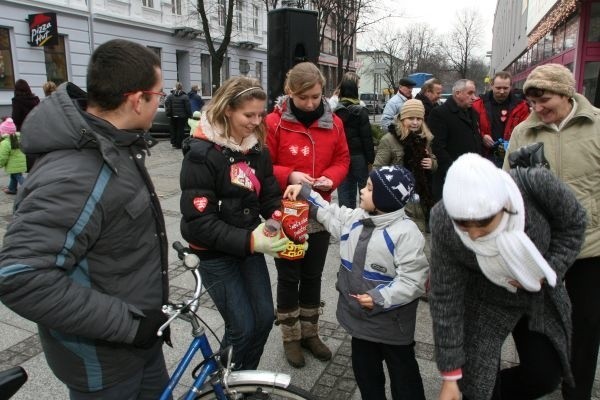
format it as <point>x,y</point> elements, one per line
<point>392,129</point>
<point>146,334</point>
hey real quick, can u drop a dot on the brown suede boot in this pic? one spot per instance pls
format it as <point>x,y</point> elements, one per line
<point>290,331</point>
<point>309,323</point>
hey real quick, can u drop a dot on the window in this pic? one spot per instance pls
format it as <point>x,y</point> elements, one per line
<point>258,71</point>
<point>594,29</point>
<point>590,81</point>
<point>558,42</point>
<point>7,75</point>
<point>176,7</point>
<point>221,7</point>
<point>255,15</point>
<point>56,62</point>
<point>225,69</point>
<point>548,45</point>
<point>238,15</point>
<point>157,51</point>
<point>206,76</point>
<point>148,3</point>
<point>244,67</point>
<point>571,32</point>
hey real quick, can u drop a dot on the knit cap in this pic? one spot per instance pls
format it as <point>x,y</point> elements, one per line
<point>474,189</point>
<point>412,108</point>
<point>8,127</point>
<point>393,186</point>
<point>554,78</point>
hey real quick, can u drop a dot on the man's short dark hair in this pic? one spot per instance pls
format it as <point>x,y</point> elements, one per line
<point>429,84</point>
<point>118,67</point>
<point>502,75</point>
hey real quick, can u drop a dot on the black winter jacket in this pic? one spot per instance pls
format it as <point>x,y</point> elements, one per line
<point>357,128</point>
<point>177,105</point>
<point>218,215</point>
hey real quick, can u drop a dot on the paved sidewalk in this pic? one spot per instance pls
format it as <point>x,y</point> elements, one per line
<point>19,343</point>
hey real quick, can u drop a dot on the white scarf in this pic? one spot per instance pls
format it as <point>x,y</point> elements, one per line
<point>507,253</point>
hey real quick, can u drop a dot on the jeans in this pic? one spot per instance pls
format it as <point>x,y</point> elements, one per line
<point>241,290</point>
<point>145,384</point>
<point>299,281</point>
<point>15,179</point>
<point>358,173</point>
<point>583,283</point>
<point>367,363</point>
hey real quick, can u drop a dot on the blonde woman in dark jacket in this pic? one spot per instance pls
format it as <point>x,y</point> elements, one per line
<point>409,144</point>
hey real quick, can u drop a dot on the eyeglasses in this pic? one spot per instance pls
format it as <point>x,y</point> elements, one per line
<point>479,223</point>
<point>162,95</point>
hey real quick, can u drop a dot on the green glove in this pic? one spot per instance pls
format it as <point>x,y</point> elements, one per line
<point>265,244</point>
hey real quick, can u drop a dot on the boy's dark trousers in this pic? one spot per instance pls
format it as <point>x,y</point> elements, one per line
<point>367,362</point>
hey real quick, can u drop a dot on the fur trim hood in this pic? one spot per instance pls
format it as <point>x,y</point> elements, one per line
<point>216,134</point>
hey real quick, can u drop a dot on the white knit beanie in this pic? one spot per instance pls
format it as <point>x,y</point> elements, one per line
<point>474,188</point>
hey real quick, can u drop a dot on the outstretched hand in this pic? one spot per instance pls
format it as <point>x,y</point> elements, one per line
<point>292,192</point>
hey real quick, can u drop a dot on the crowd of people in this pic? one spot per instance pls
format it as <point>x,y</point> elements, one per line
<point>514,252</point>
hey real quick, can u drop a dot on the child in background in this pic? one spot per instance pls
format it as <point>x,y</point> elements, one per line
<point>381,277</point>
<point>11,156</point>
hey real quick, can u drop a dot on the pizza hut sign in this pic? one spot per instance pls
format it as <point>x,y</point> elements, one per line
<point>42,29</point>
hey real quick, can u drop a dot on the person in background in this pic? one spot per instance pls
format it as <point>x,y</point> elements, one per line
<point>499,112</point>
<point>382,274</point>
<point>394,105</point>
<point>308,145</point>
<point>196,102</point>
<point>11,156</point>
<point>178,109</point>
<point>334,99</point>
<point>49,87</point>
<point>410,146</point>
<point>23,102</point>
<point>455,128</point>
<point>360,142</point>
<point>499,253</point>
<point>227,183</point>
<point>568,125</point>
<point>430,94</point>
<point>96,276</point>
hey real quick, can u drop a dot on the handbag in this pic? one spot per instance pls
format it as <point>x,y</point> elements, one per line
<point>529,156</point>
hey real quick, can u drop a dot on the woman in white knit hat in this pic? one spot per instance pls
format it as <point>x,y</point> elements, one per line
<point>497,267</point>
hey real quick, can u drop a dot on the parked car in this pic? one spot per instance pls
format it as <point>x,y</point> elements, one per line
<point>161,123</point>
<point>373,101</point>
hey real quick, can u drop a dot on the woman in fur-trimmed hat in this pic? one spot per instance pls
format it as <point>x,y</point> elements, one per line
<point>569,125</point>
<point>497,267</point>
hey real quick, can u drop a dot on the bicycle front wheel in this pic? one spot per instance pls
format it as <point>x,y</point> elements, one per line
<point>261,392</point>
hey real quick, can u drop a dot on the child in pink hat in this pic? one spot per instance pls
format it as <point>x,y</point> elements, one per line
<point>11,156</point>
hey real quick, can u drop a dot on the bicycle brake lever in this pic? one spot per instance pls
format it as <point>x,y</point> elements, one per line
<point>164,326</point>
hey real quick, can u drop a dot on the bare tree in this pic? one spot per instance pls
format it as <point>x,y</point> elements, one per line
<point>390,52</point>
<point>464,39</point>
<point>222,34</point>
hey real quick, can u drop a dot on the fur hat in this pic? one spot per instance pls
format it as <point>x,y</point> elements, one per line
<point>8,127</point>
<point>474,188</point>
<point>553,78</point>
<point>393,186</point>
<point>412,108</point>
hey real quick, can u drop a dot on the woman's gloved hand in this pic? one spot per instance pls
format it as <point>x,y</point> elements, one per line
<point>265,244</point>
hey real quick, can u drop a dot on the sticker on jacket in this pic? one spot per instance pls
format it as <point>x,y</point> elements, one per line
<point>239,175</point>
<point>200,203</point>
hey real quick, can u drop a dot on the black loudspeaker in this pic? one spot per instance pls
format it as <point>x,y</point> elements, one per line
<point>293,37</point>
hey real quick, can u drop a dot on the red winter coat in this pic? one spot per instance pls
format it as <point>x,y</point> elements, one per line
<point>518,111</point>
<point>319,150</point>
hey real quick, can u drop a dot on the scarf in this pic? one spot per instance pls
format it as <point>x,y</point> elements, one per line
<point>507,253</point>
<point>306,118</point>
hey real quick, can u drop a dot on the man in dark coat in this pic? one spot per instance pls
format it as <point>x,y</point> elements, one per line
<point>430,94</point>
<point>178,109</point>
<point>455,128</point>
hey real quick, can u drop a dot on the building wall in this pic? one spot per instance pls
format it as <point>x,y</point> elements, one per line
<point>509,32</point>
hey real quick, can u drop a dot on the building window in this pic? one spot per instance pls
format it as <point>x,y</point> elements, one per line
<point>244,67</point>
<point>221,8</point>
<point>176,7</point>
<point>558,42</point>
<point>206,76</point>
<point>56,62</point>
<point>148,3</point>
<point>548,45</point>
<point>7,75</point>
<point>571,32</point>
<point>225,69</point>
<point>594,30</point>
<point>258,73</point>
<point>255,15</point>
<point>238,15</point>
<point>156,51</point>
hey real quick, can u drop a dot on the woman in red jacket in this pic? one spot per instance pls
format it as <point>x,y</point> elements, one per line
<point>307,145</point>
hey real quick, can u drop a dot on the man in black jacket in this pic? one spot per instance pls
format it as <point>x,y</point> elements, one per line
<point>455,128</point>
<point>178,109</point>
<point>430,93</point>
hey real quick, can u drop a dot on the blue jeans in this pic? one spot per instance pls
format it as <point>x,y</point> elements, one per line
<point>241,290</point>
<point>355,180</point>
<point>15,179</point>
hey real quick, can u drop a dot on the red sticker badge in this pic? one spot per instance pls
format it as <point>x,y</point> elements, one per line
<point>200,203</point>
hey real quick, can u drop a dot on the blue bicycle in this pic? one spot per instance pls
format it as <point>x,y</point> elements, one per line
<point>214,377</point>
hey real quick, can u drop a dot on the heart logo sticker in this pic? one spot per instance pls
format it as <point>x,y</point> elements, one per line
<point>200,203</point>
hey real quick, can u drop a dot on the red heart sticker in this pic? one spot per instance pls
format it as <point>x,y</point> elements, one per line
<point>294,226</point>
<point>200,203</point>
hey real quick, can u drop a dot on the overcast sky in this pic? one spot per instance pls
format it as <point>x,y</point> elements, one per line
<point>440,15</point>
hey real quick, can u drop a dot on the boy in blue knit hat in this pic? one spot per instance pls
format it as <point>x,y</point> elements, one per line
<point>382,275</point>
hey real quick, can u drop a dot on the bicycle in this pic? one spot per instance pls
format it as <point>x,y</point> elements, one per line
<point>214,377</point>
